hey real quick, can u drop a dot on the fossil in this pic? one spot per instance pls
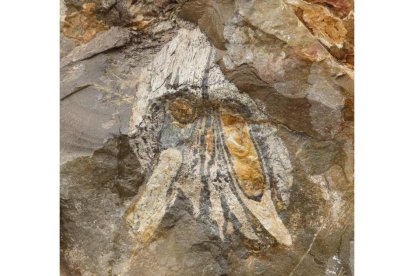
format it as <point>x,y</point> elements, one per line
<point>197,136</point>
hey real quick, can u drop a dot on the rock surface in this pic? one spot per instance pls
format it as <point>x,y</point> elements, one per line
<point>207,137</point>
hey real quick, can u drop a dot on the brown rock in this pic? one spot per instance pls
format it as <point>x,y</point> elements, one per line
<point>207,137</point>
<point>82,26</point>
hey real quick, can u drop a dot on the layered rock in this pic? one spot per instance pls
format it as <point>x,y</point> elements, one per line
<point>207,138</point>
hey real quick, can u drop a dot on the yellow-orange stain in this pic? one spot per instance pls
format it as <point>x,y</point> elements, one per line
<point>323,24</point>
<point>82,26</point>
<point>243,154</point>
<point>210,140</point>
<point>182,111</point>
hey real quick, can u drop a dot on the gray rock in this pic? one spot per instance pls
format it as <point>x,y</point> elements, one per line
<point>112,38</point>
<point>219,146</point>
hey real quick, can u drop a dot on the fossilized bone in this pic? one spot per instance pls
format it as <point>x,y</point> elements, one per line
<point>197,135</point>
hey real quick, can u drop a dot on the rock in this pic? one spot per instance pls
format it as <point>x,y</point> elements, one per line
<point>271,55</point>
<point>98,88</point>
<point>221,112</point>
<point>331,30</point>
<point>95,193</point>
<point>113,38</point>
<point>207,138</point>
<point>82,25</point>
<point>96,100</point>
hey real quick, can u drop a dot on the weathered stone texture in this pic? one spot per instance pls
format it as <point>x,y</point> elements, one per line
<point>207,137</point>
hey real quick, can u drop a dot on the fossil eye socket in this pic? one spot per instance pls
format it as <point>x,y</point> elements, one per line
<point>182,111</point>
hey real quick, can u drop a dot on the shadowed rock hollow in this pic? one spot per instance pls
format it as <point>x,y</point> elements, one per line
<point>206,137</point>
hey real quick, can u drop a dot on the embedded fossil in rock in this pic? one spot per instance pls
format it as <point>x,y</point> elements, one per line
<point>239,144</point>
<point>199,138</point>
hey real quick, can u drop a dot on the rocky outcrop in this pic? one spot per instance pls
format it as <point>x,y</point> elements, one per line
<point>207,137</point>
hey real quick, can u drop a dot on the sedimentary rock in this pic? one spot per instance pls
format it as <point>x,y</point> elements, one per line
<point>208,150</point>
<point>207,138</point>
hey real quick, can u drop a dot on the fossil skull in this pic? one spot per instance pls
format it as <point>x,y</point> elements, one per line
<point>197,136</point>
